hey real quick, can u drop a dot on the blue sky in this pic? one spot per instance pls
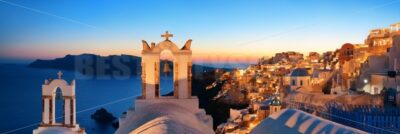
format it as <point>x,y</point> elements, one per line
<point>52,28</point>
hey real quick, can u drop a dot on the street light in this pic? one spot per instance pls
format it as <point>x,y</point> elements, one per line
<point>365,81</point>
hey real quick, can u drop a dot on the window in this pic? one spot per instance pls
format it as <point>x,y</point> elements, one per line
<point>293,82</point>
<point>301,82</point>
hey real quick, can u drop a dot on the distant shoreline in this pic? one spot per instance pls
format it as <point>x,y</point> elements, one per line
<point>95,65</point>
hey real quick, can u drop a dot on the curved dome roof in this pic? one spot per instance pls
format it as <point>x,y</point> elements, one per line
<point>293,121</point>
<point>275,102</point>
<point>163,118</point>
<point>299,72</point>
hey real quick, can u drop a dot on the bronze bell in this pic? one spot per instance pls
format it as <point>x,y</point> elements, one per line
<point>166,69</point>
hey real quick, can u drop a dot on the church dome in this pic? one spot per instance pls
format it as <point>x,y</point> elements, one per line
<point>275,102</point>
<point>298,72</point>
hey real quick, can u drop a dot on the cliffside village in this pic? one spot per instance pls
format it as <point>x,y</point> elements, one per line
<point>357,85</point>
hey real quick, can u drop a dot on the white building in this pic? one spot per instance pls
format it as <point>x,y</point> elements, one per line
<point>298,79</point>
<point>375,72</point>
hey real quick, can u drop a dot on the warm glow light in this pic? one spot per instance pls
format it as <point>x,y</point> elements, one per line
<point>241,72</point>
<point>253,125</point>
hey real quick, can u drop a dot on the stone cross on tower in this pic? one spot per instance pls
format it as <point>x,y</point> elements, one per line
<point>59,74</point>
<point>167,35</point>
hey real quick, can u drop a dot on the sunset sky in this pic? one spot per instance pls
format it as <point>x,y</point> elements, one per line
<point>238,29</point>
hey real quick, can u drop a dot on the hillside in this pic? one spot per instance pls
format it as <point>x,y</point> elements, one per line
<point>95,65</point>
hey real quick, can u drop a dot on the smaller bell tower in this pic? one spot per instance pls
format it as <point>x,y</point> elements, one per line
<point>49,117</point>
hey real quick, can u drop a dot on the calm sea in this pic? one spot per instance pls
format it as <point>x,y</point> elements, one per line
<point>20,97</point>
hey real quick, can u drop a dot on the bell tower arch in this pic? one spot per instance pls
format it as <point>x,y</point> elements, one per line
<point>48,98</point>
<point>182,71</point>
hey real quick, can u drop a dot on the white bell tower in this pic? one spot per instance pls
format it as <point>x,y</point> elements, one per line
<point>182,71</point>
<point>48,107</point>
<point>146,106</point>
